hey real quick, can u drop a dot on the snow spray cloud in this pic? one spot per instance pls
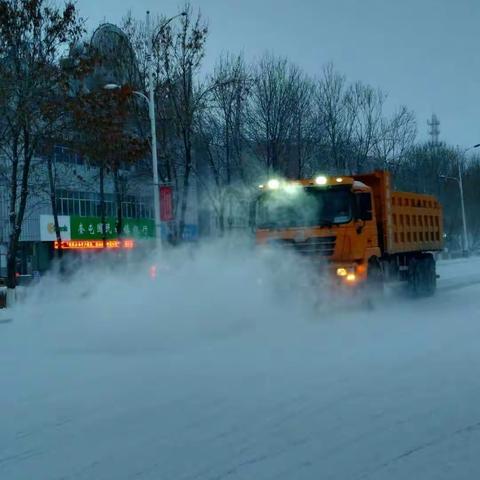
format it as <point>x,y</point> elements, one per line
<point>211,291</point>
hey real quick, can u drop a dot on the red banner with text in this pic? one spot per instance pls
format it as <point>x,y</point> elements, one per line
<point>166,203</point>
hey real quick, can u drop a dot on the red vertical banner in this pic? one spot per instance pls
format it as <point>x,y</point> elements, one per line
<point>166,203</point>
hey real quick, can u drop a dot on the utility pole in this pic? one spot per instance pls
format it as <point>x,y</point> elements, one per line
<point>150,99</point>
<point>464,217</point>
<point>466,246</point>
<point>151,111</point>
<point>459,180</point>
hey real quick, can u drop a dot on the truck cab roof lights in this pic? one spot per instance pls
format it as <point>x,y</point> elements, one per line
<point>273,184</point>
<point>339,179</point>
<point>288,187</point>
<point>321,180</point>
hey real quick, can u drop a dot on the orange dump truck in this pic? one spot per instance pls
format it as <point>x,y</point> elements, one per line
<point>364,233</point>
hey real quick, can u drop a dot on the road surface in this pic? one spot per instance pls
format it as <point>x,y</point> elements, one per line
<point>243,389</point>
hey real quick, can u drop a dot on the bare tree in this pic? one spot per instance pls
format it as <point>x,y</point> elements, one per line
<point>134,68</point>
<point>181,50</point>
<point>396,139</point>
<point>367,114</point>
<point>272,104</point>
<point>303,141</point>
<point>33,35</point>
<point>47,151</point>
<point>220,129</point>
<point>336,112</point>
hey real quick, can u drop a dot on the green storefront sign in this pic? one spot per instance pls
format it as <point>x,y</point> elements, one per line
<point>90,228</point>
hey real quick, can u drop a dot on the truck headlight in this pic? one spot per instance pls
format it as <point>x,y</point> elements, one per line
<point>348,273</point>
<point>344,271</point>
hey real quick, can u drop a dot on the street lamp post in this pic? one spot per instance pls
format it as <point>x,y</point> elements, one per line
<point>153,144</point>
<point>150,99</point>
<point>459,180</point>
<point>115,86</point>
<point>464,217</point>
<point>151,37</point>
<point>153,128</point>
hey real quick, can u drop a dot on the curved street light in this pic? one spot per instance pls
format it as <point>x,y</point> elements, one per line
<point>154,35</point>
<point>459,180</point>
<point>116,86</point>
<point>151,39</point>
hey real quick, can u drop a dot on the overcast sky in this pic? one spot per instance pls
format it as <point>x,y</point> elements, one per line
<point>423,53</point>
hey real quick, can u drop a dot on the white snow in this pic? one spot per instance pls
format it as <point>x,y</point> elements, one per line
<point>206,374</point>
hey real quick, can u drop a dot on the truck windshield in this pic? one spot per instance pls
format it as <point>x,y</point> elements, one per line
<point>305,207</point>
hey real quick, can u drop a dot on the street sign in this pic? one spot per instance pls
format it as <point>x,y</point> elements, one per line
<point>47,227</point>
<point>95,244</point>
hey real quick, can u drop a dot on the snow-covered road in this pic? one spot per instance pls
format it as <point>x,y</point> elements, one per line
<point>389,394</point>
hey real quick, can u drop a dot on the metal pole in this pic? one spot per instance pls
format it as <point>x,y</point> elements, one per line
<point>151,109</point>
<point>464,219</point>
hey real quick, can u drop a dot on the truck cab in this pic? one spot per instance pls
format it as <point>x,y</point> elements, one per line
<point>328,220</point>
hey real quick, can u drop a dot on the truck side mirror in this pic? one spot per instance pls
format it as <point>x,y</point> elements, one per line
<point>363,203</point>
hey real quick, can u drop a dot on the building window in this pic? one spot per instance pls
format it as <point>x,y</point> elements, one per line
<point>87,204</point>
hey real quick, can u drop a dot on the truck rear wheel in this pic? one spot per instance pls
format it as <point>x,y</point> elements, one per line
<point>422,276</point>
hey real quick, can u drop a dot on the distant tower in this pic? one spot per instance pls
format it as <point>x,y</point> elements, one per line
<point>434,129</point>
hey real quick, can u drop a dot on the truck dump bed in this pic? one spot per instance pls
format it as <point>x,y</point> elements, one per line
<point>407,222</point>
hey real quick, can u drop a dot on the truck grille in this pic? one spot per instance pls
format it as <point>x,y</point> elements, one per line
<point>319,246</point>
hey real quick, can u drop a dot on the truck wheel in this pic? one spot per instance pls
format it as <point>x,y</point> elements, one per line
<point>430,275</point>
<point>415,277</point>
<point>422,276</point>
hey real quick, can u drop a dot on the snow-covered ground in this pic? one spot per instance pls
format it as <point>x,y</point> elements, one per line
<point>207,375</point>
